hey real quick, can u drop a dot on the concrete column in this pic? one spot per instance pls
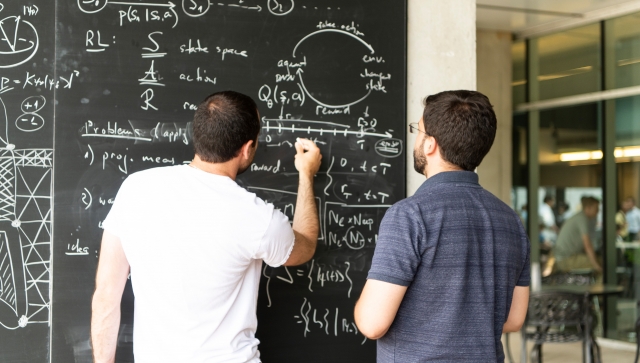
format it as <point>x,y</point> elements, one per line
<point>494,80</point>
<point>441,55</point>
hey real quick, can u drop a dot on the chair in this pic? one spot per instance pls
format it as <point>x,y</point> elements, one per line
<point>580,277</point>
<point>568,278</point>
<point>555,317</point>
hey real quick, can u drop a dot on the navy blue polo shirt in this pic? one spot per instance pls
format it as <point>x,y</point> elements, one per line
<point>461,252</point>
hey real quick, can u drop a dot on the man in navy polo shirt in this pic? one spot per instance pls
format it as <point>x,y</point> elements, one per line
<point>450,271</point>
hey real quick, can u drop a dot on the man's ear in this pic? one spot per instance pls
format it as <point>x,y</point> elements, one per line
<point>430,145</point>
<point>246,150</point>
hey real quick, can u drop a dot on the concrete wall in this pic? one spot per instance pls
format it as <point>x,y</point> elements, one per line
<point>441,55</point>
<point>494,80</point>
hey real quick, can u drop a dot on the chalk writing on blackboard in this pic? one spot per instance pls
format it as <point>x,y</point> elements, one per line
<point>26,206</point>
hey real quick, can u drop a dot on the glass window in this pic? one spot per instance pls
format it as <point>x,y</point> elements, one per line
<point>627,154</point>
<point>569,62</point>
<point>570,170</point>
<point>518,72</point>
<point>626,39</point>
<point>570,156</point>
<point>519,167</point>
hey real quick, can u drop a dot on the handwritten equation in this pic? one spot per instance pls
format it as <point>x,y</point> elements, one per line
<point>116,88</point>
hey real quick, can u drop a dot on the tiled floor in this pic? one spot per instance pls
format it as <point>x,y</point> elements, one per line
<point>571,352</point>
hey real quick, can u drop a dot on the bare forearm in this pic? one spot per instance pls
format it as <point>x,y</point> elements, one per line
<point>591,254</point>
<point>305,218</point>
<point>105,322</point>
<point>518,310</point>
<point>113,269</point>
<point>377,307</point>
<point>510,327</point>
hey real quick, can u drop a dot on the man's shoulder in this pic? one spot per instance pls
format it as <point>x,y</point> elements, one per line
<point>575,222</point>
<point>578,217</point>
<point>497,205</point>
<point>405,208</point>
<point>431,198</point>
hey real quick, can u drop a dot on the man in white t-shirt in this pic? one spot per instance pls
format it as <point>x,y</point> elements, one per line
<point>194,241</point>
<point>632,213</point>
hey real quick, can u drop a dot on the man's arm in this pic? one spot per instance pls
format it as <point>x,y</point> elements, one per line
<point>591,254</point>
<point>305,218</point>
<point>518,311</point>
<point>113,269</point>
<point>377,307</point>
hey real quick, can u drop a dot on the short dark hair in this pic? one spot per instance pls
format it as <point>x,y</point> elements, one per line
<point>548,198</point>
<point>224,122</point>
<point>464,125</point>
<point>589,202</point>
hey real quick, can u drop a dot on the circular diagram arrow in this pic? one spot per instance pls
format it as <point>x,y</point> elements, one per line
<point>300,71</point>
<point>304,88</point>
<point>332,31</point>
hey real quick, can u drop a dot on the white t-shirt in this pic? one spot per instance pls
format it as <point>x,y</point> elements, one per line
<point>546,215</point>
<point>633,220</point>
<point>195,242</point>
<point>549,220</point>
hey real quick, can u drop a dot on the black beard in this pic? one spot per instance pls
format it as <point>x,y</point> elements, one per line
<point>419,160</point>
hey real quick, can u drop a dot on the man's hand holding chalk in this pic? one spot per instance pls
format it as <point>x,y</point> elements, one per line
<point>308,157</point>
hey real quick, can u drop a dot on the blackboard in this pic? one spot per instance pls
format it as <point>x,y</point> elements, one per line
<point>94,90</point>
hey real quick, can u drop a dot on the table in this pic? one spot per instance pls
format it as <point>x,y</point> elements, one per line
<point>628,245</point>
<point>589,291</point>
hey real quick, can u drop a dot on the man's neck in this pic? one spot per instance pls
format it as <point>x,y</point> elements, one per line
<point>440,167</point>
<point>228,168</point>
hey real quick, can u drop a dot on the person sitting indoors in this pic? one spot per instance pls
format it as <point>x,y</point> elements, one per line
<point>633,219</point>
<point>574,247</point>
<point>622,227</point>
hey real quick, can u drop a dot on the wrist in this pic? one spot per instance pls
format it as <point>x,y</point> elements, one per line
<point>306,178</point>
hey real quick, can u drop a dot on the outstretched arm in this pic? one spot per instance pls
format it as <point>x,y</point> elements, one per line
<point>113,269</point>
<point>305,218</point>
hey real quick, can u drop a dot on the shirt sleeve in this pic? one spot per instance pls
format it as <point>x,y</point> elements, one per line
<point>117,219</point>
<point>277,243</point>
<point>397,254</point>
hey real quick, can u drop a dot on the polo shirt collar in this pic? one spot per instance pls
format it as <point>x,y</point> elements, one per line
<point>458,176</point>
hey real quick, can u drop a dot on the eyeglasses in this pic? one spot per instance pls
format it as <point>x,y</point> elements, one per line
<point>414,128</point>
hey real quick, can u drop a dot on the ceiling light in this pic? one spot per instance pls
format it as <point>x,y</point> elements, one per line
<point>582,155</point>
<point>628,152</point>
<point>619,152</point>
